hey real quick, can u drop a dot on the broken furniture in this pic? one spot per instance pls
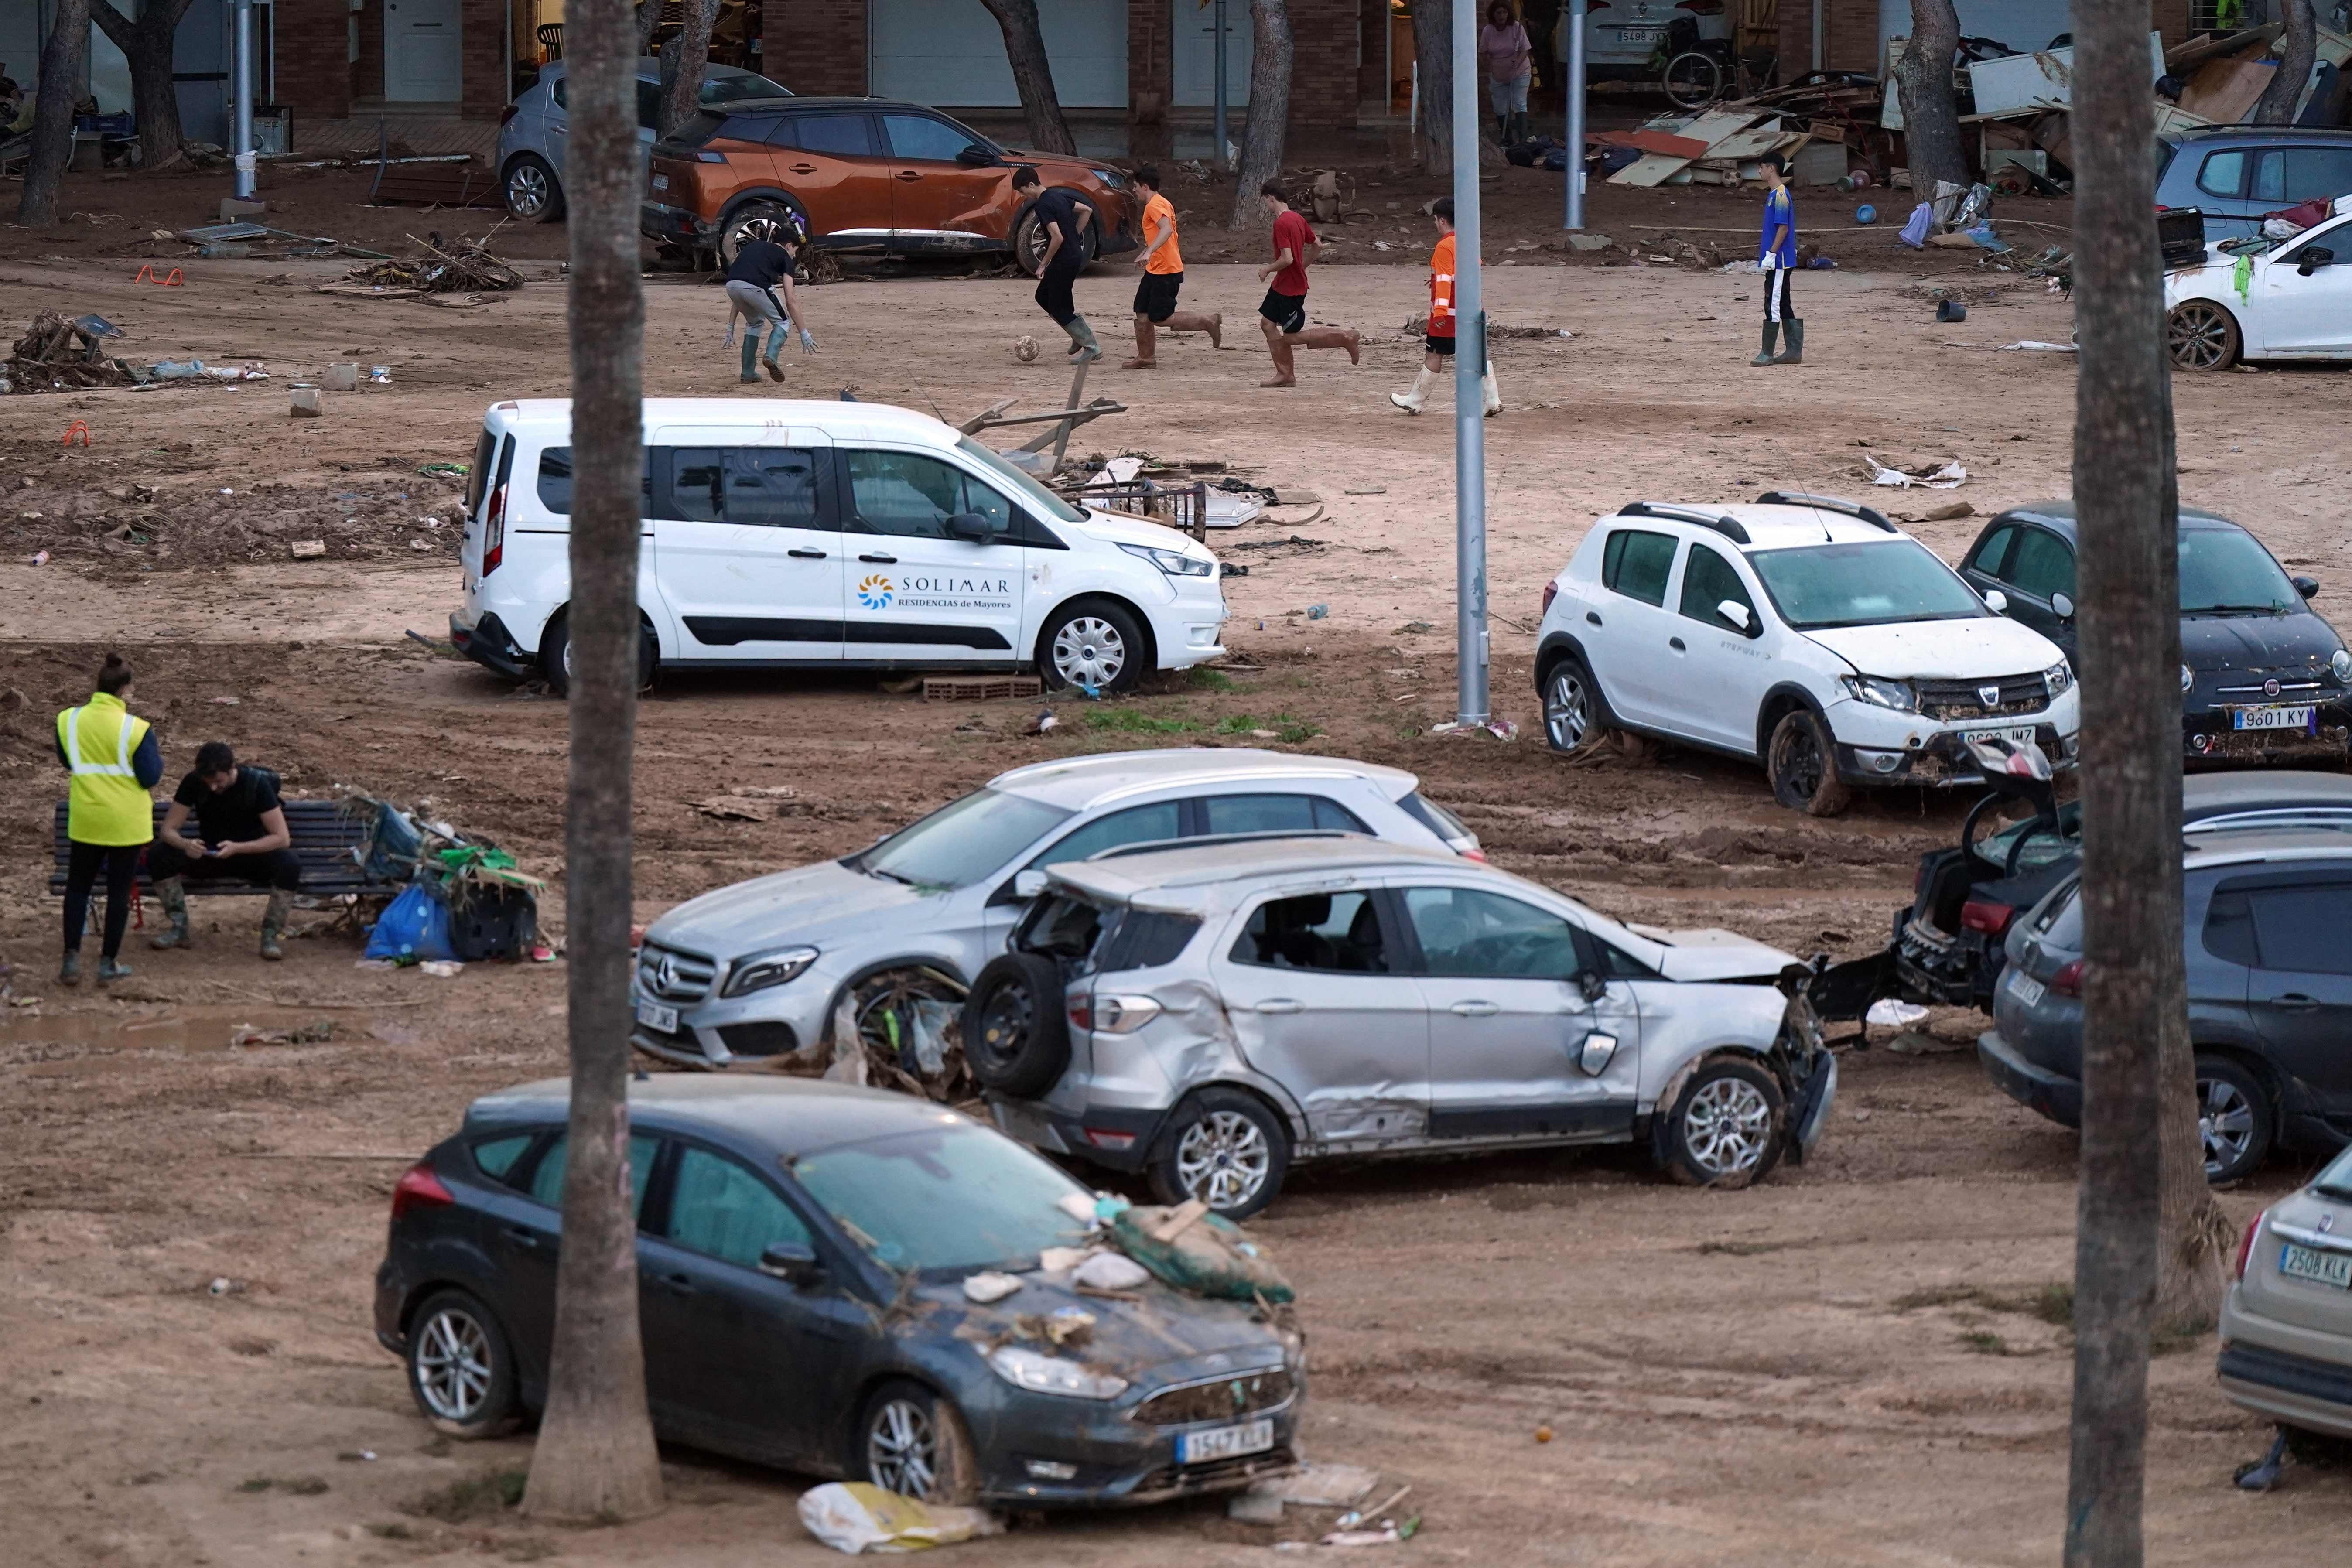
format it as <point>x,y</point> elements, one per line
<point>1031,455</point>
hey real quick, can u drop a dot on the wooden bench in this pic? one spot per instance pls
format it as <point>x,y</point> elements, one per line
<point>435,185</point>
<point>324,836</point>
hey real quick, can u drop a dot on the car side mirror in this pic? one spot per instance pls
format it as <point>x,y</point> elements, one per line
<point>975,156</point>
<point>791,1262</point>
<point>2313,258</point>
<point>2062,606</point>
<point>1735,612</point>
<point>2307,587</point>
<point>976,528</point>
<point>1592,1058</point>
<point>1028,884</point>
<point>1996,600</point>
<point>1593,984</point>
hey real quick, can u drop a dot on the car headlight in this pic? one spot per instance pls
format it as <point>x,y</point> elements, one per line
<point>1042,1373</point>
<point>1895,694</point>
<point>2342,663</point>
<point>2059,678</point>
<point>2186,679</point>
<point>1111,177</point>
<point>762,970</point>
<point>1175,563</point>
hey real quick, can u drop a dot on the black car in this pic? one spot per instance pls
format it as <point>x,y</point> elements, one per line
<point>2264,678</point>
<point>2267,912</point>
<point>803,1249</point>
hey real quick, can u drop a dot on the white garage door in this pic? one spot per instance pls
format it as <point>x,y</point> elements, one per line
<point>950,53</point>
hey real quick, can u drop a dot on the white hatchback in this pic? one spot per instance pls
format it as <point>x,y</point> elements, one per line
<point>1804,632</point>
<point>784,534</point>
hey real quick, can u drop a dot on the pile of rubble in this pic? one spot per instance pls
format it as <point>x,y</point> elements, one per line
<point>461,266</point>
<point>63,354</point>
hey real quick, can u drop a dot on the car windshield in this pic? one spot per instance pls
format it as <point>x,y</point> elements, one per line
<point>949,1196</point>
<point>2043,846</point>
<point>962,842</point>
<point>2335,1182</point>
<point>2226,570</point>
<point>1037,495</point>
<point>1819,586</point>
<point>722,84</point>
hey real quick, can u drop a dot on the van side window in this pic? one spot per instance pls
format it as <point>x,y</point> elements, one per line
<point>759,487</point>
<point>555,481</point>
<point>907,495</point>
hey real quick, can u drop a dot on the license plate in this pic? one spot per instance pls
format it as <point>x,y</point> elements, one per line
<point>2016,735</point>
<point>2310,1263</point>
<point>661,181</point>
<point>1642,34</point>
<point>2026,989</point>
<point>654,1016</point>
<point>1225,1442</point>
<point>2271,718</point>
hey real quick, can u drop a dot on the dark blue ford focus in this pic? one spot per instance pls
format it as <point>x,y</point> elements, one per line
<point>801,1253</point>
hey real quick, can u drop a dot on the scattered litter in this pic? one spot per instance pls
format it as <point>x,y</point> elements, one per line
<point>1110,1271</point>
<point>1889,1012</point>
<point>1543,1434</point>
<point>1060,1259</point>
<point>1326,1486</point>
<point>989,1287</point>
<point>2035,344</point>
<point>1259,1505</point>
<point>1367,490</point>
<point>447,267</point>
<point>305,402</point>
<point>1936,479</point>
<point>1194,1250</point>
<point>853,1517</point>
<point>441,968</point>
<point>317,1034</point>
<point>441,470</point>
<point>39,557</point>
<point>220,1287</point>
<point>1354,1517</point>
<point>381,375</point>
<point>1042,723</point>
<point>1316,612</point>
<point>307,548</point>
<point>1079,1206</point>
<point>1950,513</point>
<point>1950,311</point>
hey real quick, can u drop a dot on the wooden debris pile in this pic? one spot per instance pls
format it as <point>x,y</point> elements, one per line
<point>62,353</point>
<point>461,266</point>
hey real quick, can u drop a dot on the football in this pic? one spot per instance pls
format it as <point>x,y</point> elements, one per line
<point>1025,349</point>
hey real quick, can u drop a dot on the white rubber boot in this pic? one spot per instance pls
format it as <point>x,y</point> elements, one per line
<point>1410,402</point>
<point>1493,398</point>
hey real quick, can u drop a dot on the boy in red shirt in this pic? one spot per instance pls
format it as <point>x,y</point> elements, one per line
<point>1283,311</point>
<point>1438,348</point>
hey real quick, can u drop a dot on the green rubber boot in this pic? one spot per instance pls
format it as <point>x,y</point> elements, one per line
<point>70,972</point>
<point>173,894</point>
<point>1771,339</point>
<point>1796,355</point>
<point>273,923</point>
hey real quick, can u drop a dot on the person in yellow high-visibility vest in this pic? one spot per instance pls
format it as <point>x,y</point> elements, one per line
<point>109,816</point>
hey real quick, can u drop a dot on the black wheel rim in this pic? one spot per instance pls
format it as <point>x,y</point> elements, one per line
<point>1005,1022</point>
<point>2199,337</point>
<point>1800,771</point>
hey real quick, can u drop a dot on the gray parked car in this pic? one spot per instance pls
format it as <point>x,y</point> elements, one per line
<point>2235,174</point>
<point>762,968</point>
<point>1213,1015</point>
<point>2269,993</point>
<point>2286,1323</point>
<point>536,126</point>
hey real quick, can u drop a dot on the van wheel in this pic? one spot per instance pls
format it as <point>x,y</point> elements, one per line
<point>1226,1149</point>
<point>2234,1119</point>
<point>1016,1036</point>
<point>770,221</point>
<point>1802,765</point>
<point>555,657</point>
<point>1094,646</point>
<point>1725,1127</point>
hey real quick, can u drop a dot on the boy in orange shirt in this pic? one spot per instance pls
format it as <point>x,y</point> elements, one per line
<point>1163,275</point>
<point>1438,347</point>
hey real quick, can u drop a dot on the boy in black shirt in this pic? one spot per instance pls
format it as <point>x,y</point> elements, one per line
<point>1063,219</point>
<point>240,832</point>
<point>751,280</point>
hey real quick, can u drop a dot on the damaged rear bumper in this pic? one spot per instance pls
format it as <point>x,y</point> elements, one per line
<point>488,644</point>
<point>1115,1136</point>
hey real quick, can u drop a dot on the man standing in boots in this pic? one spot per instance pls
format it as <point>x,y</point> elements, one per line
<point>1437,349</point>
<point>1776,253</point>
<point>1163,276</point>
<point>240,832</point>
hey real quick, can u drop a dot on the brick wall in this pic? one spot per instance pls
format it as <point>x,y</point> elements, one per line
<point>816,45</point>
<point>482,59</point>
<point>1323,76</point>
<point>314,73</point>
<point>367,72</point>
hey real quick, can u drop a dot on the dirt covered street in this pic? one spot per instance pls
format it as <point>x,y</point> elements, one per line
<point>1861,1361</point>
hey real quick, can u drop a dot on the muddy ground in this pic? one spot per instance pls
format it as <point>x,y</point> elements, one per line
<point>1858,1362</point>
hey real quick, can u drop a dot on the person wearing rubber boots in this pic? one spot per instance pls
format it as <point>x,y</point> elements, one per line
<point>109,817</point>
<point>1062,218</point>
<point>240,832</point>
<point>1437,348</point>
<point>1776,255</point>
<point>751,280</point>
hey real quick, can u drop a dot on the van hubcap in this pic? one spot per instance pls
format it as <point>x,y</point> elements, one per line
<point>1089,652</point>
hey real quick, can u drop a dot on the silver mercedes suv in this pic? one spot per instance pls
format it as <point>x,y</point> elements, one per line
<point>1210,1016</point>
<point>759,969</point>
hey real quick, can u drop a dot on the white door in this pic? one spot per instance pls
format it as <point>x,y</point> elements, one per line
<point>749,553</point>
<point>1627,625</point>
<point>2308,314</point>
<point>421,55</point>
<point>1724,667</point>
<point>949,54</point>
<point>1193,27</point>
<point>915,590</point>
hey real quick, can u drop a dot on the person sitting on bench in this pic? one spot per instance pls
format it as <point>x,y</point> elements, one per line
<point>241,832</point>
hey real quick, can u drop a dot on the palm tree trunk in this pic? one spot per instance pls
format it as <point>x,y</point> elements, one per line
<point>2298,48</point>
<point>2135,995</point>
<point>595,1459</point>
<point>682,63</point>
<point>62,57</point>
<point>1033,74</point>
<point>1269,107</point>
<point>1931,111</point>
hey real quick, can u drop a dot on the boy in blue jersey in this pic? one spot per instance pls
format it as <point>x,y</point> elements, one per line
<point>1776,253</point>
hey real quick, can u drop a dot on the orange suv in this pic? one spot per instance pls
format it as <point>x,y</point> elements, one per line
<point>864,173</point>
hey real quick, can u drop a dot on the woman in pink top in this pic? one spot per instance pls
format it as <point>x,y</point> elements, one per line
<point>1510,61</point>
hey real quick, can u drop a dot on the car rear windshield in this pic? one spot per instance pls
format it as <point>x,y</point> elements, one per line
<point>2335,1182</point>
<point>2225,568</point>
<point>1037,495</point>
<point>1435,817</point>
<point>2060,925</point>
<point>723,85</point>
<point>477,477</point>
<point>962,842</point>
<point>1820,586</point>
<point>952,1197</point>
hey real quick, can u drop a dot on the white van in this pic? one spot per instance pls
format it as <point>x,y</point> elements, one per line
<point>782,533</point>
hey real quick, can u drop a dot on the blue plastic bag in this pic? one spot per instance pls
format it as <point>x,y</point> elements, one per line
<point>415,928</point>
<point>1914,232</point>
